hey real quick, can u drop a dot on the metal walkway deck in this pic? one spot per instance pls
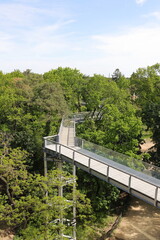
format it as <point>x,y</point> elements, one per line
<point>141,180</point>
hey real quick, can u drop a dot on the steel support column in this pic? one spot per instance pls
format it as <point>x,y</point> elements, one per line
<point>45,168</point>
<point>45,164</point>
<point>60,193</point>
<point>74,202</point>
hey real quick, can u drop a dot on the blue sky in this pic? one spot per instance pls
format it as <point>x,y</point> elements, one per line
<point>94,36</point>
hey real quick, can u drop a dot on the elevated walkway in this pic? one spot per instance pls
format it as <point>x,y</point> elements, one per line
<point>133,176</point>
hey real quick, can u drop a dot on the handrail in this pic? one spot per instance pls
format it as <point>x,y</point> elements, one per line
<point>60,129</point>
<point>140,166</point>
<point>104,163</point>
<point>112,155</point>
<point>107,164</point>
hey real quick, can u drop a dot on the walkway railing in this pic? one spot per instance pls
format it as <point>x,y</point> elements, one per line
<point>132,175</point>
<point>123,159</point>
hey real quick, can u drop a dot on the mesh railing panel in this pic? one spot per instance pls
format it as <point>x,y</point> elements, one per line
<point>120,158</point>
<point>69,122</point>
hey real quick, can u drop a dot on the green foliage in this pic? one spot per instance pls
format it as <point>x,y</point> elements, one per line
<point>29,202</point>
<point>72,83</point>
<point>95,230</point>
<point>115,124</point>
<point>145,84</point>
<point>30,108</point>
<point>93,92</point>
<point>102,195</point>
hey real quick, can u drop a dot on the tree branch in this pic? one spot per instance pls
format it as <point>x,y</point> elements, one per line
<point>7,190</point>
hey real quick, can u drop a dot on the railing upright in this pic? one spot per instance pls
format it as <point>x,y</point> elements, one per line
<point>60,130</point>
<point>107,154</point>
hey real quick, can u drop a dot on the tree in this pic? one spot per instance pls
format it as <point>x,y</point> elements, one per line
<point>119,78</point>
<point>145,83</point>
<point>116,75</point>
<point>24,205</point>
<point>93,92</point>
<point>72,82</point>
<point>102,195</point>
<point>114,123</point>
<point>30,108</point>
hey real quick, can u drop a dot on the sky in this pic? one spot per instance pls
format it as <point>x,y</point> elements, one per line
<point>93,36</point>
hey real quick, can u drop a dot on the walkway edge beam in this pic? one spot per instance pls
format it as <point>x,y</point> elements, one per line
<point>136,183</point>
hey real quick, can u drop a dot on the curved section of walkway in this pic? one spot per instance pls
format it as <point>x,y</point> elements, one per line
<point>130,175</point>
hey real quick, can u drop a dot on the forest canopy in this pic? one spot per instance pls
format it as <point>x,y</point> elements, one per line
<point>32,106</point>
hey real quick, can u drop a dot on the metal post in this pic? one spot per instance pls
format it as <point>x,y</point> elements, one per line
<point>82,143</point>
<point>60,193</point>
<point>74,202</point>
<point>45,164</point>
<point>129,184</point>
<point>60,189</point>
<point>73,156</point>
<point>68,135</point>
<point>45,168</point>
<point>56,148</point>
<point>59,155</point>
<point>89,165</point>
<point>74,129</point>
<point>155,198</point>
<point>107,174</point>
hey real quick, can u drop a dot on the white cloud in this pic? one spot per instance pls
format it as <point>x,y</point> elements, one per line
<point>5,43</point>
<point>24,15</point>
<point>155,14</point>
<point>141,39</point>
<point>32,30</point>
<point>16,15</point>
<point>141,2</point>
<point>42,38</point>
<point>130,50</point>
